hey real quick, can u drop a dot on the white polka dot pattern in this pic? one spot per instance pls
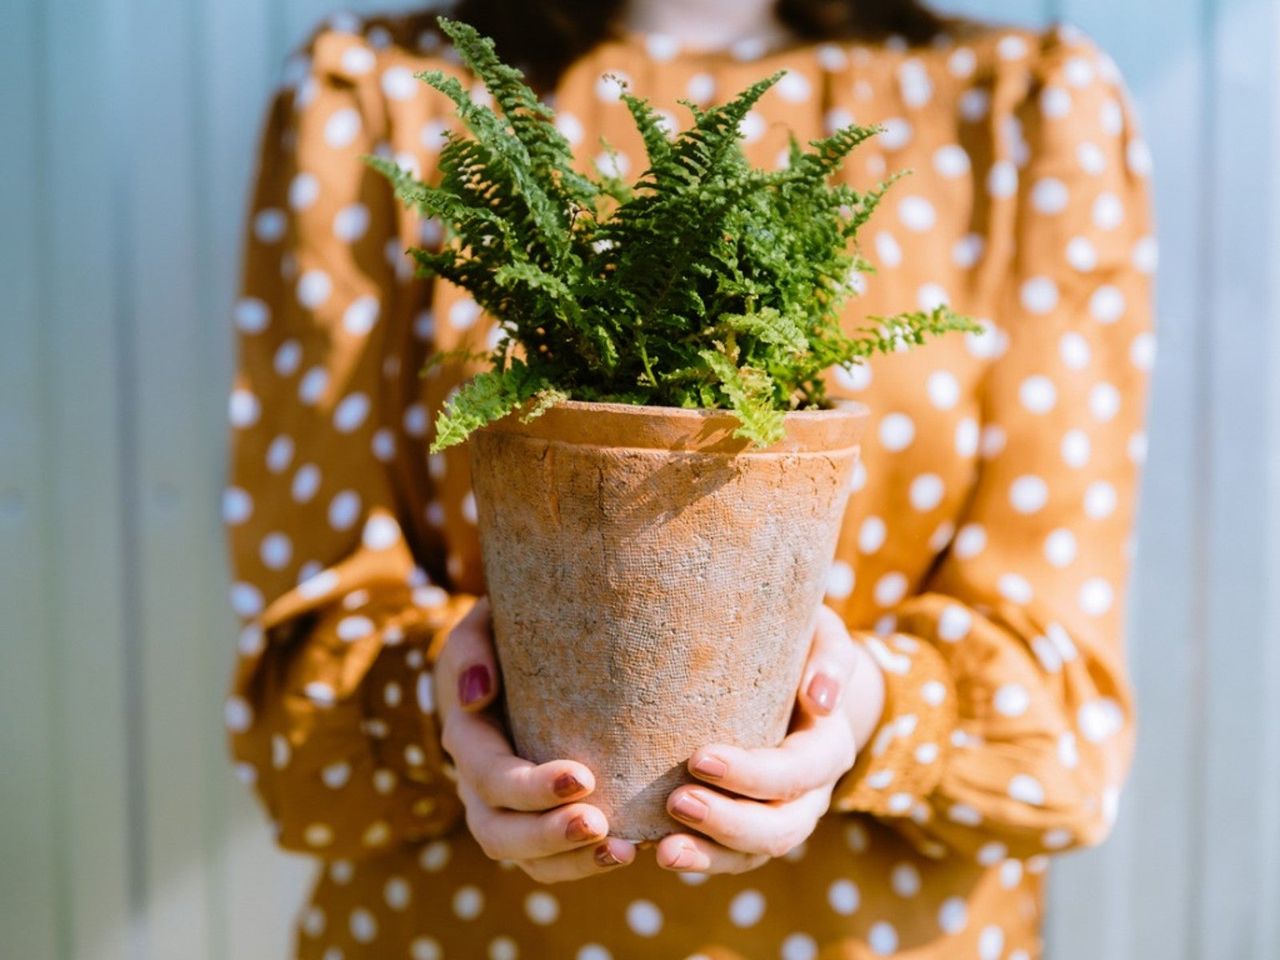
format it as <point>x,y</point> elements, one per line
<point>983,543</point>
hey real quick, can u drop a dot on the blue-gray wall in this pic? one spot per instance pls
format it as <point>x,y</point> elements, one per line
<point>126,142</point>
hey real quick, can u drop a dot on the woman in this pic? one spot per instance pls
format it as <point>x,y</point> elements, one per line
<point>965,710</point>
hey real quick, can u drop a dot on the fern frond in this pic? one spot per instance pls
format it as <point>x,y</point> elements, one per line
<point>656,144</point>
<point>749,398</point>
<point>486,398</point>
<point>703,283</point>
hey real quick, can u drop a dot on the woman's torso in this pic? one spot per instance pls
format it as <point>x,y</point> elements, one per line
<point>945,234</point>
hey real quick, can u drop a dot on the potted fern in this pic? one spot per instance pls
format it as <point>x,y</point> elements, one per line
<point>659,477</point>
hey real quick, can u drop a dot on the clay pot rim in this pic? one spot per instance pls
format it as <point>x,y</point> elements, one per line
<point>679,429</point>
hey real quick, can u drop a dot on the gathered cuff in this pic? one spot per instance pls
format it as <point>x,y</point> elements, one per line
<point>904,759</point>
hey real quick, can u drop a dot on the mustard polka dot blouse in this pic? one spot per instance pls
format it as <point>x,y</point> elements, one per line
<point>983,560</point>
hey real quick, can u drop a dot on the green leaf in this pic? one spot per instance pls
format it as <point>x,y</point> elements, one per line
<point>488,397</point>
<point>749,399</point>
<point>704,282</point>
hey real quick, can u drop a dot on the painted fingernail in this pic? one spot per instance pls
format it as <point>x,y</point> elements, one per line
<point>579,829</point>
<point>710,768</point>
<point>683,860</point>
<point>605,856</point>
<point>474,684</point>
<point>823,691</point>
<point>567,785</point>
<point>690,808</point>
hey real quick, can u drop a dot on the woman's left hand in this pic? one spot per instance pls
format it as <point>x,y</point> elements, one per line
<point>753,805</point>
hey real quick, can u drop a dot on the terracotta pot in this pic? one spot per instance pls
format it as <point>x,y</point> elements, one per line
<point>654,584</point>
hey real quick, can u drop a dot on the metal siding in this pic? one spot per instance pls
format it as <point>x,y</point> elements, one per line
<point>29,897</point>
<point>1240,257</point>
<point>1144,880</point>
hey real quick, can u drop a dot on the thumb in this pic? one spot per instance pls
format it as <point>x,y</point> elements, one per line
<point>832,659</point>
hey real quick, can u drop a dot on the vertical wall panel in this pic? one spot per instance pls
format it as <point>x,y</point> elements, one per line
<point>1142,880</point>
<point>1267,883</point>
<point>240,65</point>
<point>29,896</point>
<point>85,593</point>
<point>301,17</point>
<point>1240,256</point>
<point>172,493</point>
<point>240,53</point>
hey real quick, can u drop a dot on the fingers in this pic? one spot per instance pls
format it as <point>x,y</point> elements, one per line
<point>749,826</point>
<point>503,835</point>
<point>516,810</point>
<point>818,751</point>
<point>809,758</point>
<point>607,855</point>
<point>510,783</point>
<point>686,853</point>
<point>832,659</point>
<point>466,671</point>
<point>498,777</point>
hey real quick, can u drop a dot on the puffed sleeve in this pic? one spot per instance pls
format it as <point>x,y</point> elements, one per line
<point>1008,724</point>
<point>331,709</point>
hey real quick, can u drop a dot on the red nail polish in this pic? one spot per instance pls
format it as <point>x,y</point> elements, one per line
<point>690,808</point>
<point>567,785</point>
<point>474,684</point>
<point>710,768</point>
<point>605,857</point>
<point>579,830</point>
<point>824,692</point>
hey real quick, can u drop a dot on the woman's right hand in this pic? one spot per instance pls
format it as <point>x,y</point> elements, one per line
<point>528,813</point>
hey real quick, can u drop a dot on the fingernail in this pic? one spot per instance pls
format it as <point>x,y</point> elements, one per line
<point>567,785</point>
<point>683,860</point>
<point>823,691</point>
<point>473,685</point>
<point>690,808</point>
<point>605,856</point>
<point>579,829</point>
<point>711,768</point>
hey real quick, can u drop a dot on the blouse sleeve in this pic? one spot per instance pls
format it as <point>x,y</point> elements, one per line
<point>331,709</point>
<point>1008,725</point>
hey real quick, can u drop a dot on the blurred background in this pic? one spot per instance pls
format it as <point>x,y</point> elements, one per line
<point>127,133</point>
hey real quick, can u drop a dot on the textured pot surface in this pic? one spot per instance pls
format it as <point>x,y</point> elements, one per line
<point>654,583</point>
